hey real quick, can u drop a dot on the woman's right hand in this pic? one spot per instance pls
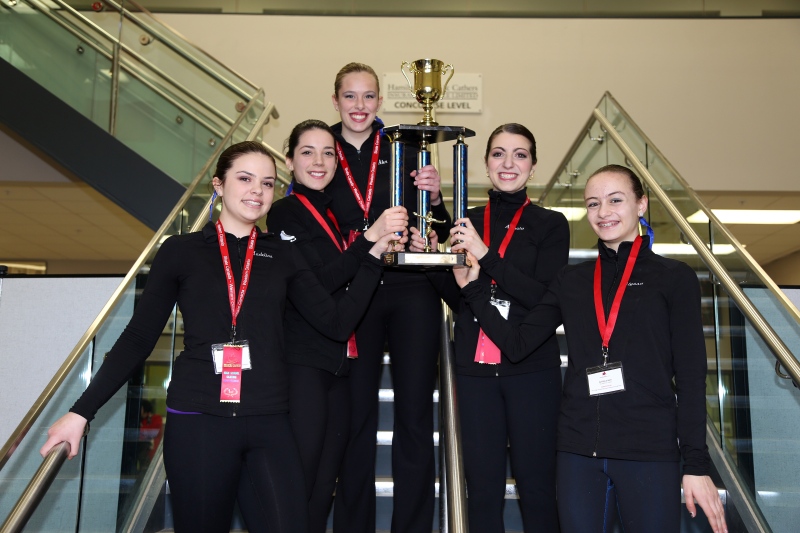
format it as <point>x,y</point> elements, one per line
<point>385,244</point>
<point>394,219</point>
<point>68,428</point>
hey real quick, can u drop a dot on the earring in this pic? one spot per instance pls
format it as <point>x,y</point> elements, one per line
<point>640,214</point>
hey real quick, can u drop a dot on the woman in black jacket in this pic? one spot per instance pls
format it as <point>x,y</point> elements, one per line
<point>632,322</point>
<point>228,395</point>
<point>404,314</point>
<point>319,399</point>
<point>508,407</point>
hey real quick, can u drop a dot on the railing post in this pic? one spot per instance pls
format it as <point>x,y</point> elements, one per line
<point>452,487</point>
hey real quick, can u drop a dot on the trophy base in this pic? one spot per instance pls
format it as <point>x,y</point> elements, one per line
<point>423,260</point>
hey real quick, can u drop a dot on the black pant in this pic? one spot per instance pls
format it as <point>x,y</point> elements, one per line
<point>592,490</point>
<point>319,410</point>
<point>517,414</point>
<point>207,457</point>
<point>408,315</point>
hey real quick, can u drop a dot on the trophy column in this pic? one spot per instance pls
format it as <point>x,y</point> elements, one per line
<point>423,137</point>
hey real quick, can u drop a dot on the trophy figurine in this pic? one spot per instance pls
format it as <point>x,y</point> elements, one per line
<point>428,89</point>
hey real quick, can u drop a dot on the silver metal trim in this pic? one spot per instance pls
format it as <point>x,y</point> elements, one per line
<point>36,489</point>
<point>765,279</point>
<point>33,413</point>
<point>781,351</point>
<point>146,496</point>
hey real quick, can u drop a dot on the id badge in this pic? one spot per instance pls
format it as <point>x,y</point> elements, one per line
<point>605,379</point>
<point>216,353</point>
<point>501,305</point>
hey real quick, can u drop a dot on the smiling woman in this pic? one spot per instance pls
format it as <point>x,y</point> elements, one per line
<point>228,427</point>
<point>319,400</point>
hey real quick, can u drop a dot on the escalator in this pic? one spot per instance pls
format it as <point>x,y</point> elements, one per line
<point>752,401</point>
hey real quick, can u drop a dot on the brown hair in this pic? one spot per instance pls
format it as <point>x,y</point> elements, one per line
<point>235,151</point>
<point>515,129</point>
<point>349,69</point>
<point>636,183</point>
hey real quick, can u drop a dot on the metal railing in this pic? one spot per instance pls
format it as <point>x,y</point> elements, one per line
<point>24,426</point>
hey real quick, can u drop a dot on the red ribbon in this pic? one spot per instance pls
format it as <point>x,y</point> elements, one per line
<point>606,329</point>
<point>373,171</point>
<point>487,351</point>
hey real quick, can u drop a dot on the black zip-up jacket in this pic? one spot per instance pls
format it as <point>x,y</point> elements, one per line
<point>188,270</point>
<point>658,337</point>
<point>346,209</point>
<point>535,254</point>
<point>293,222</point>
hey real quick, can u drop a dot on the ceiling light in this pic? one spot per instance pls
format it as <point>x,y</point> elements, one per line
<point>749,216</point>
<point>572,213</point>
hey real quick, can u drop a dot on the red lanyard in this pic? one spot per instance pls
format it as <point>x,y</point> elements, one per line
<point>373,171</point>
<point>236,304</point>
<point>607,329</point>
<point>511,228</point>
<point>305,201</point>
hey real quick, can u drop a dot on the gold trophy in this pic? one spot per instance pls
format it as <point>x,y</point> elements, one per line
<point>428,89</point>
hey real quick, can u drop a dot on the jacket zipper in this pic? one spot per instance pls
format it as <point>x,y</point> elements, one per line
<point>608,306</point>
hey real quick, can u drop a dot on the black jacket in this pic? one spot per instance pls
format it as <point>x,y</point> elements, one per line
<point>292,221</point>
<point>535,254</point>
<point>188,270</point>
<point>346,209</point>
<point>658,337</point>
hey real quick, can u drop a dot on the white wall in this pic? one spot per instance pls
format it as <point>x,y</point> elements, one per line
<point>718,97</point>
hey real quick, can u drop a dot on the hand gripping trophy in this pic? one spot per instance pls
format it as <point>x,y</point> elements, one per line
<point>428,89</point>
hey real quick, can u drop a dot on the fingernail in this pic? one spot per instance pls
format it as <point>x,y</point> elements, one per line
<point>692,514</point>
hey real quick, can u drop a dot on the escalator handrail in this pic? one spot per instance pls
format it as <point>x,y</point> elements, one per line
<point>773,340</point>
<point>178,50</point>
<point>718,226</point>
<point>30,417</point>
<point>36,489</point>
<point>116,43</point>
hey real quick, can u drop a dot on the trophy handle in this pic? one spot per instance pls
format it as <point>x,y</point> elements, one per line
<point>402,67</point>
<point>452,71</point>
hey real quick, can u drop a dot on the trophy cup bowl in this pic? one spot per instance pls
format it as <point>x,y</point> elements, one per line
<point>427,87</point>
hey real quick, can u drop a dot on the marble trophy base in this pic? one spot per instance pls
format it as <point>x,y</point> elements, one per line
<point>423,260</point>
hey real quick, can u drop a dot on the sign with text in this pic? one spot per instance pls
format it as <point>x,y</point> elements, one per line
<point>464,94</point>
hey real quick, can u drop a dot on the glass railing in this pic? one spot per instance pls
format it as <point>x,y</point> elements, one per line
<point>165,99</point>
<point>755,413</point>
<point>95,491</point>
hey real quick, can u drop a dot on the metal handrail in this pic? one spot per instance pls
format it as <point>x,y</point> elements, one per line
<point>453,506</point>
<point>148,492</point>
<point>781,351</point>
<point>192,59</point>
<point>30,417</point>
<point>36,489</point>
<point>748,259</point>
<point>138,75</point>
<point>749,512</point>
<point>117,44</point>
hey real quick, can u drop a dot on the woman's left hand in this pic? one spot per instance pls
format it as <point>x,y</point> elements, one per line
<point>464,274</point>
<point>466,238</point>
<point>427,178</point>
<point>701,489</point>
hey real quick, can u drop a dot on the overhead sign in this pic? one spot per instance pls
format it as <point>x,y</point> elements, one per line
<point>464,94</point>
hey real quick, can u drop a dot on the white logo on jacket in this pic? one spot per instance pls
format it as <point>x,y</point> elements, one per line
<point>262,254</point>
<point>286,237</point>
<point>518,228</point>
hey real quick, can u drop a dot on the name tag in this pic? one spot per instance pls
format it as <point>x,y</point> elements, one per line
<point>501,305</point>
<point>606,379</point>
<point>217,352</point>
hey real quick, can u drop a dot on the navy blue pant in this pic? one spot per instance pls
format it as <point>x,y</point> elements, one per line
<point>593,490</point>
<point>407,315</point>
<point>516,415</point>
<point>207,457</point>
<point>319,409</point>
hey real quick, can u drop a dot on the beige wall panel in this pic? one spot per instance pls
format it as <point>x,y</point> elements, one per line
<point>717,96</point>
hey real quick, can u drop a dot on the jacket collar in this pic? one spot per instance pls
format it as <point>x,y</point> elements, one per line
<point>623,251</point>
<point>337,133</point>
<point>209,232</point>
<point>516,198</point>
<point>317,198</point>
